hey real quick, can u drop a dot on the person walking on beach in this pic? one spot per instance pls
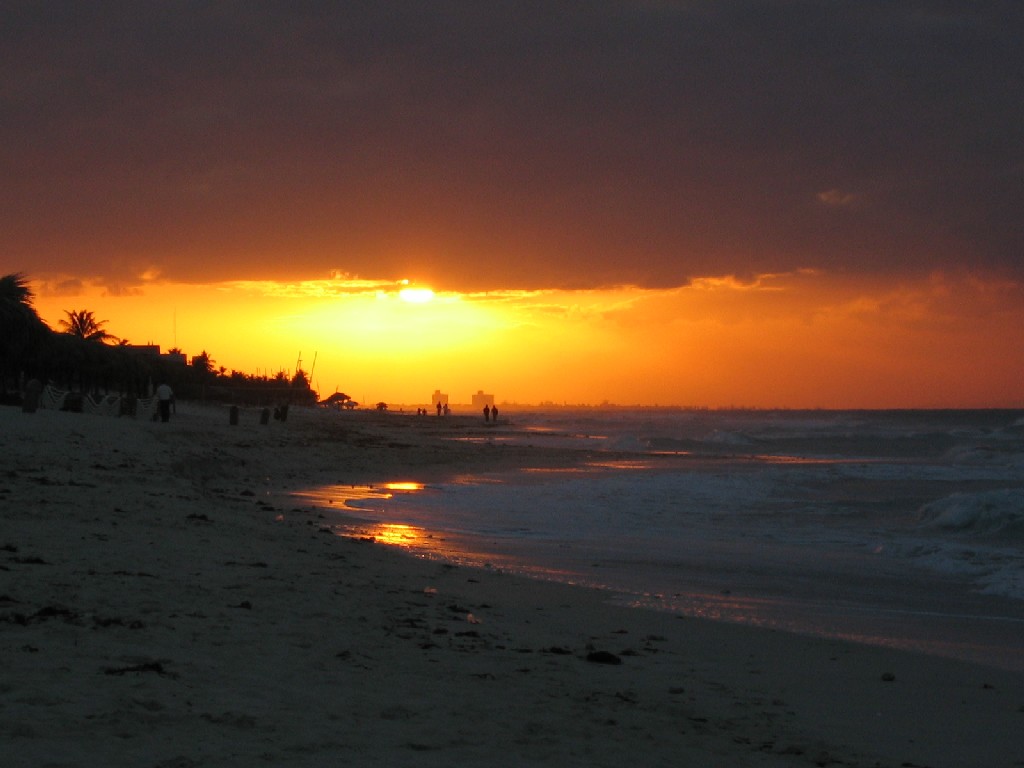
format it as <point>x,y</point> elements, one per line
<point>164,396</point>
<point>487,413</point>
<point>494,414</point>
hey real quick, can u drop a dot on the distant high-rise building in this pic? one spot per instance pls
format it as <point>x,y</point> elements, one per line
<point>480,399</point>
<point>439,397</point>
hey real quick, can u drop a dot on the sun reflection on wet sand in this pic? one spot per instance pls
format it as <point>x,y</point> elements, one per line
<point>628,464</point>
<point>418,541</point>
<point>404,486</point>
<point>436,545</point>
<point>331,495</point>
<point>341,495</point>
<point>398,534</point>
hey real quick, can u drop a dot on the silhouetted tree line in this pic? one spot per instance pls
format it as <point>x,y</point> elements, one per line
<point>249,389</point>
<point>84,357</point>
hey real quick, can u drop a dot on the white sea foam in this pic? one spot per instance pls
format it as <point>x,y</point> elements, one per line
<point>988,513</point>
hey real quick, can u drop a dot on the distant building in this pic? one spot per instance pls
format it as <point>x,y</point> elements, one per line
<point>144,349</point>
<point>439,397</point>
<point>480,399</point>
<point>154,350</point>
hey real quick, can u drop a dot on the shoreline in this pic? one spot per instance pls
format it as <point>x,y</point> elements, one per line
<point>907,629</point>
<point>161,604</point>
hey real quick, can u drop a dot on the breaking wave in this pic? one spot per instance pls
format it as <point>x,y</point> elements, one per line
<point>987,513</point>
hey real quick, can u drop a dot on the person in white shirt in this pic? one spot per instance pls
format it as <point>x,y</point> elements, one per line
<point>164,395</point>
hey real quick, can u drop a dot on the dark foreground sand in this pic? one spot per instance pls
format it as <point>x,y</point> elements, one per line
<point>164,602</point>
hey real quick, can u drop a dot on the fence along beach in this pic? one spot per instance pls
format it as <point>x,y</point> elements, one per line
<point>165,601</point>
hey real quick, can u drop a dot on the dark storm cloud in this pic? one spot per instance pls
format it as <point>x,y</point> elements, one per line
<point>511,144</point>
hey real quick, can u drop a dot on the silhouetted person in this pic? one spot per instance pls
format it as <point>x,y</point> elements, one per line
<point>33,391</point>
<point>438,407</point>
<point>494,414</point>
<point>164,395</point>
<point>487,413</point>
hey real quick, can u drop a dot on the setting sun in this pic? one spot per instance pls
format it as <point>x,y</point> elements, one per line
<point>416,295</point>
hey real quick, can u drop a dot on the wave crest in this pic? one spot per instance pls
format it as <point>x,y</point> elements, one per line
<point>987,513</point>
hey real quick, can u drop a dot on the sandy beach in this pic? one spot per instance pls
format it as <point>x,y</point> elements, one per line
<point>166,602</point>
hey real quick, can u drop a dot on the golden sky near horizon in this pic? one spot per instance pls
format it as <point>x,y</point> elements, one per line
<point>743,202</point>
<point>798,340</point>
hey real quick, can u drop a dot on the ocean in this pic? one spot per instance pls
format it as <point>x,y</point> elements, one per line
<point>897,528</point>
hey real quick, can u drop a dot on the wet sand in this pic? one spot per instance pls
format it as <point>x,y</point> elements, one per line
<point>164,601</point>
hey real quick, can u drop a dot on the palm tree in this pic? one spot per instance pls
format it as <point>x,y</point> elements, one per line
<point>83,324</point>
<point>21,330</point>
<point>204,364</point>
<point>16,310</point>
<point>14,288</point>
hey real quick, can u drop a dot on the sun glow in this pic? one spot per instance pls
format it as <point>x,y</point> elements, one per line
<point>793,340</point>
<point>416,295</point>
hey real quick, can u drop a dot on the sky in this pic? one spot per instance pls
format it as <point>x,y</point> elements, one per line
<point>771,203</point>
